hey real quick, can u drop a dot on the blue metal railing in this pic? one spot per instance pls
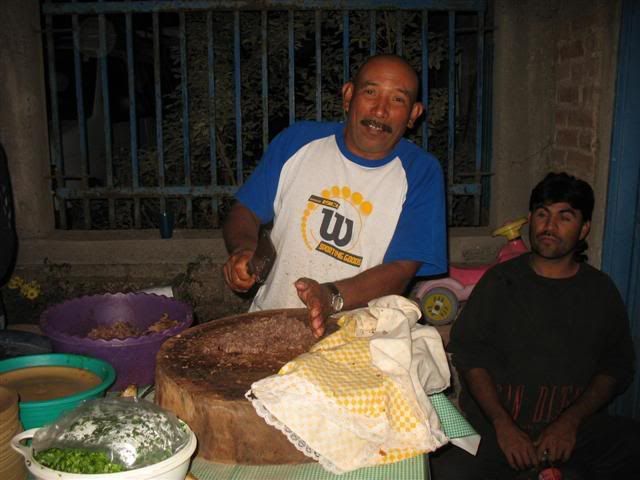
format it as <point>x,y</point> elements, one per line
<point>113,191</point>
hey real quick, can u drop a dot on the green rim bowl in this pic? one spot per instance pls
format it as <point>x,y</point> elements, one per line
<point>37,414</point>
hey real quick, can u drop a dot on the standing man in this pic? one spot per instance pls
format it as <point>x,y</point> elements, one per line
<point>543,345</point>
<point>357,210</point>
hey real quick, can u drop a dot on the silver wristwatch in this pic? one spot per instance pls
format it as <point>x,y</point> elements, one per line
<point>337,302</point>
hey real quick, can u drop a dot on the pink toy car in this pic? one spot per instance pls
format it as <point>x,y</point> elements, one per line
<point>440,299</point>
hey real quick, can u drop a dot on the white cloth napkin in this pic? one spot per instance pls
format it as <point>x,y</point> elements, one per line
<point>359,397</point>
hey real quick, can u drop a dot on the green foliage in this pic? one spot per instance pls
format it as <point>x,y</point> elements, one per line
<point>75,460</point>
<point>222,106</point>
<point>212,115</point>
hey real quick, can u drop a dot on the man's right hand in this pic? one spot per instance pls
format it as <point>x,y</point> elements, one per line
<point>515,444</point>
<point>240,232</point>
<point>236,271</point>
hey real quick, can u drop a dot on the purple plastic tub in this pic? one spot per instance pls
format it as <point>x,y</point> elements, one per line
<point>67,325</point>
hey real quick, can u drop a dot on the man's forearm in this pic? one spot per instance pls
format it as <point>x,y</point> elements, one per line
<point>515,444</point>
<point>240,230</point>
<point>386,279</point>
<point>598,393</point>
<point>357,291</point>
<point>484,391</point>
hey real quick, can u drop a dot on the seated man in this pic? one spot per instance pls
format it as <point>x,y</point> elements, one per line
<point>543,345</point>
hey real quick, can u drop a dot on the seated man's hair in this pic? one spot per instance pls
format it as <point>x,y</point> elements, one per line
<point>562,187</point>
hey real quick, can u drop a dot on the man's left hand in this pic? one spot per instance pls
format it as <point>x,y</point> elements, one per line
<point>558,440</point>
<point>316,298</point>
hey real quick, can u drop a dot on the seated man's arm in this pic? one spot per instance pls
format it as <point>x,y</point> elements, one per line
<point>616,361</point>
<point>559,438</point>
<point>240,232</point>
<point>514,443</point>
<point>386,279</point>
<point>477,339</point>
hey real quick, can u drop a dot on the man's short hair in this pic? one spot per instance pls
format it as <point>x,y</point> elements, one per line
<point>392,56</point>
<point>562,187</point>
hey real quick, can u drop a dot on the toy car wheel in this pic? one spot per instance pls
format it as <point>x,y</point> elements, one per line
<point>439,306</point>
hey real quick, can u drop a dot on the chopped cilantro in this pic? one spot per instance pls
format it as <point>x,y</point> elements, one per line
<point>75,460</point>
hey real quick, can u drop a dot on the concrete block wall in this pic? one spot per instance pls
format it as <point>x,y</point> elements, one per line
<point>579,68</point>
<point>586,69</point>
<point>554,90</point>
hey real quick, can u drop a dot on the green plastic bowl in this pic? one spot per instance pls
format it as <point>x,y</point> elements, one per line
<point>37,414</point>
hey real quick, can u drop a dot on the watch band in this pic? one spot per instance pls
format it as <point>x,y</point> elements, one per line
<point>337,301</point>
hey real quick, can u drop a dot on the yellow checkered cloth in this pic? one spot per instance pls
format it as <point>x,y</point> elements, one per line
<point>336,406</point>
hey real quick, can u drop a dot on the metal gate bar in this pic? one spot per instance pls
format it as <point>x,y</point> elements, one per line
<point>479,115</point>
<point>451,115</point>
<point>318,39</point>
<point>82,121</point>
<point>148,6</point>
<point>56,150</point>
<point>106,105</point>
<point>424,37</point>
<point>157,90</point>
<point>133,119</point>
<point>212,109</point>
<point>137,192</point>
<point>238,81</point>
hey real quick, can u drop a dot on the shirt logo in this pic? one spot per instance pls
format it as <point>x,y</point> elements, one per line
<point>333,221</point>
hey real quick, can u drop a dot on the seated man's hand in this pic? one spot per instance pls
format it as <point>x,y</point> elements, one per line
<point>515,444</point>
<point>316,298</point>
<point>236,271</point>
<point>558,440</point>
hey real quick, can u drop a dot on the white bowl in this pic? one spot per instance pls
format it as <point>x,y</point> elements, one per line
<point>173,468</point>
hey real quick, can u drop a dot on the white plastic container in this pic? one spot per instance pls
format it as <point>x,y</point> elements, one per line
<point>173,468</point>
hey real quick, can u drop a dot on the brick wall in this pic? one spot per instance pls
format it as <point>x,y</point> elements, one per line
<point>578,89</point>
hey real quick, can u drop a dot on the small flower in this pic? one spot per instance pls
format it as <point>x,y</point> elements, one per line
<point>15,282</point>
<point>32,293</point>
<point>30,290</point>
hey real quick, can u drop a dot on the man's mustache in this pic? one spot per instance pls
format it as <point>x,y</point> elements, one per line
<point>547,234</point>
<point>368,122</point>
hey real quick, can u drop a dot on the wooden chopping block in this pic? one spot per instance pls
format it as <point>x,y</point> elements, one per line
<point>203,374</point>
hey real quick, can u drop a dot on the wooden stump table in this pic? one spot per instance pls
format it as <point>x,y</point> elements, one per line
<point>203,374</point>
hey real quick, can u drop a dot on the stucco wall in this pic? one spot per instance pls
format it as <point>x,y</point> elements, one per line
<point>23,116</point>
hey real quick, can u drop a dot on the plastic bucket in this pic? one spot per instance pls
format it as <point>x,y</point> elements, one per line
<point>134,358</point>
<point>173,468</point>
<point>38,413</point>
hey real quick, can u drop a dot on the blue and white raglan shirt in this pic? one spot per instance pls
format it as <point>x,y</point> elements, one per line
<point>336,214</point>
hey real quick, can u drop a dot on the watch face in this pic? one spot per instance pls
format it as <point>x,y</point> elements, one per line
<point>337,302</point>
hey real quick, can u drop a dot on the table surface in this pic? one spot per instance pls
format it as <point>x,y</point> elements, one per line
<point>416,468</point>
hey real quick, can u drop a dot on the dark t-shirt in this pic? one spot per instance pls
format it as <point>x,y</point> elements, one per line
<point>541,339</point>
